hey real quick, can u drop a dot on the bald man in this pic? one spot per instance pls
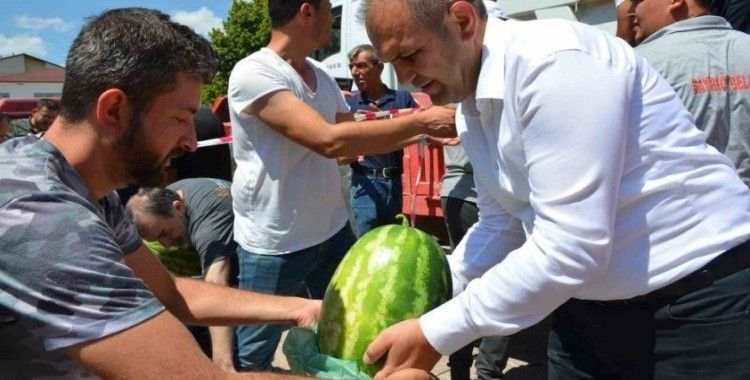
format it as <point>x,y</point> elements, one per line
<point>707,64</point>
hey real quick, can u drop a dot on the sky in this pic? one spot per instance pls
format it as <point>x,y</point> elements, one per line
<point>45,28</point>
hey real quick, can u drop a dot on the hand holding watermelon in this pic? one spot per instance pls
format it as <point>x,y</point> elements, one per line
<point>405,346</point>
<point>392,274</point>
<point>308,313</point>
<point>411,374</point>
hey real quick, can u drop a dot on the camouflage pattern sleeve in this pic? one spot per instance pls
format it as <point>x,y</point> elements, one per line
<point>62,269</point>
<point>125,232</point>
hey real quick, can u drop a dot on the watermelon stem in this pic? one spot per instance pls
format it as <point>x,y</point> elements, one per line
<point>404,220</point>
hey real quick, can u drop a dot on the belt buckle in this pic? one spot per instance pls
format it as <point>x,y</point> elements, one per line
<point>389,173</point>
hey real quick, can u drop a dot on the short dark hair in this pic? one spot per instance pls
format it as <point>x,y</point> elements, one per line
<point>47,103</point>
<point>155,200</point>
<point>137,50</point>
<point>354,53</point>
<point>283,11</point>
<point>426,13</point>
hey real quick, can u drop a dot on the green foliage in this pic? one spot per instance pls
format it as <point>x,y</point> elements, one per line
<point>246,30</point>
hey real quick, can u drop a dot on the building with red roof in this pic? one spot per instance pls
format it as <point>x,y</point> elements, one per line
<point>25,76</point>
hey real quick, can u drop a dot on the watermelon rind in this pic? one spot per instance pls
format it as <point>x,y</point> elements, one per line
<point>182,261</point>
<point>392,273</point>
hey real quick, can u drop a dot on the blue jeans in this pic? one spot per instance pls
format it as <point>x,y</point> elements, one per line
<point>284,275</point>
<point>375,201</point>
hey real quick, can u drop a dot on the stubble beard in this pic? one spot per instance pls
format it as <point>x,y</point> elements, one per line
<point>143,164</point>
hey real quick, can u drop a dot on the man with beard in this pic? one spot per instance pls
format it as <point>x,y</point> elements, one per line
<point>599,201</point>
<point>192,220</point>
<point>73,269</point>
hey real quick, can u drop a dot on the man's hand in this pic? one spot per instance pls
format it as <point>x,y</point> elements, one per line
<point>411,374</point>
<point>438,121</point>
<point>308,312</point>
<point>346,160</point>
<point>449,141</point>
<point>226,364</point>
<point>405,346</point>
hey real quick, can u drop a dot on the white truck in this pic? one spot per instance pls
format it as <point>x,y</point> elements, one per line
<point>348,32</point>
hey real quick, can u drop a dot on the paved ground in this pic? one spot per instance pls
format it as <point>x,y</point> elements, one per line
<point>527,357</point>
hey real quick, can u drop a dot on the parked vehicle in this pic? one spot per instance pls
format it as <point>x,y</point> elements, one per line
<point>19,108</point>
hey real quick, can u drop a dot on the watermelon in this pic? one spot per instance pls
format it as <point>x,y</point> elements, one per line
<point>393,273</point>
<point>182,261</point>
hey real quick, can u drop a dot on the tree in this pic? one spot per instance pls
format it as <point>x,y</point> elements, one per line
<point>246,30</point>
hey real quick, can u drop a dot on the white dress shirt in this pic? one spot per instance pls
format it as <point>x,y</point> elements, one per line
<point>592,180</point>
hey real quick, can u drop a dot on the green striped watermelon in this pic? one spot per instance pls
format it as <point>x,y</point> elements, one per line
<point>393,273</point>
<point>182,261</point>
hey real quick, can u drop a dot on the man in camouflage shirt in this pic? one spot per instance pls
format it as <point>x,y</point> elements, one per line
<point>72,267</point>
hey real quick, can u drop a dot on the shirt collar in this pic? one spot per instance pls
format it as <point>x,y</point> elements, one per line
<point>388,95</point>
<point>695,23</point>
<point>491,79</point>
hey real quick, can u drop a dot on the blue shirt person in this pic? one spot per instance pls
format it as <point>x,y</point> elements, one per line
<point>376,189</point>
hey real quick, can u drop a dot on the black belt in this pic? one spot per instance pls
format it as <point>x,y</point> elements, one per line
<point>729,262</point>
<point>386,173</point>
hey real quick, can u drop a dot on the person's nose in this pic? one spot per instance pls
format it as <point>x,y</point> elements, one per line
<point>404,71</point>
<point>189,141</point>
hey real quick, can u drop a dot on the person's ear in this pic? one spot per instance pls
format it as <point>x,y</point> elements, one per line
<point>677,5</point>
<point>112,111</point>
<point>179,206</point>
<point>463,17</point>
<point>306,10</point>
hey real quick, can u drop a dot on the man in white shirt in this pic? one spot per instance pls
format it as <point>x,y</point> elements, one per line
<point>291,222</point>
<point>600,201</point>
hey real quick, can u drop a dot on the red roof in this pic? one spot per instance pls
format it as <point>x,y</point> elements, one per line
<point>46,75</point>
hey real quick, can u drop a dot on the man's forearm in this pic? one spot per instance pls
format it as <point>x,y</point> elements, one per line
<point>210,304</point>
<point>380,136</point>
<point>200,303</point>
<point>222,338</point>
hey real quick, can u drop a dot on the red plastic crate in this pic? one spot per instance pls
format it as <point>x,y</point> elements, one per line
<point>427,191</point>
